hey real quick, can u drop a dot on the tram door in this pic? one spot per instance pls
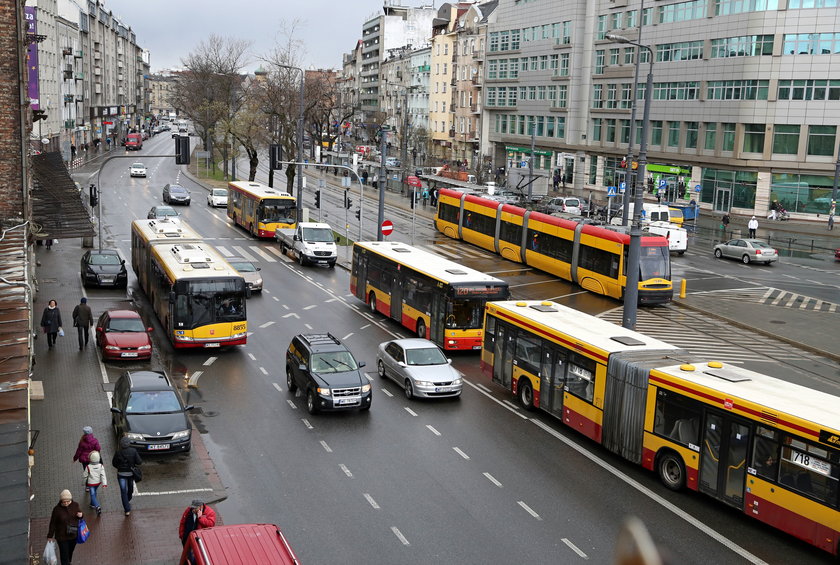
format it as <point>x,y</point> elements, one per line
<point>724,457</point>
<point>552,380</point>
<point>503,353</point>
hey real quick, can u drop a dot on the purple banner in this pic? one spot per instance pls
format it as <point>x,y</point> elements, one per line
<point>32,59</point>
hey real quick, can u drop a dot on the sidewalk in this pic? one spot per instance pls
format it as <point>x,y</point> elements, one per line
<point>76,390</point>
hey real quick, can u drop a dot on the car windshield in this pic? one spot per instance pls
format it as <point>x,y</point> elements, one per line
<point>165,212</point>
<point>333,362</point>
<point>220,192</point>
<point>317,235</point>
<point>105,259</point>
<point>138,166</point>
<point>177,190</point>
<point>425,356</point>
<point>243,266</point>
<point>125,325</point>
<point>152,402</point>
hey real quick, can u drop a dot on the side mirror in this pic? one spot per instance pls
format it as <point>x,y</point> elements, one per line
<point>362,363</point>
<point>402,364</point>
<point>150,329</point>
<point>296,237</point>
<point>259,268</point>
<point>116,410</point>
<point>188,407</point>
<point>449,361</point>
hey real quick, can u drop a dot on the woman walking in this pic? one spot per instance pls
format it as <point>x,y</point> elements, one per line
<point>51,322</point>
<point>64,526</point>
<point>124,461</point>
<point>94,478</point>
<point>87,444</point>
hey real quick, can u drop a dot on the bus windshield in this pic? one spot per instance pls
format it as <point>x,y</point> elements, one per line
<point>276,211</point>
<point>465,314</point>
<point>210,302</point>
<point>654,263</point>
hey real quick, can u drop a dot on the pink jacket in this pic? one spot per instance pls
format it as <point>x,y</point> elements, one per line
<point>87,444</point>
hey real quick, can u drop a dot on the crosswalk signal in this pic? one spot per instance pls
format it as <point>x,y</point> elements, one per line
<point>347,201</point>
<point>317,198</point>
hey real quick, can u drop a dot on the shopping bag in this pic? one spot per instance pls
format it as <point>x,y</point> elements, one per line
<point>84,531</point>
<point>61,332</point>
<point>50,553</point>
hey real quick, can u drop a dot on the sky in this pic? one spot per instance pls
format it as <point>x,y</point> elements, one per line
<point>171,29</point>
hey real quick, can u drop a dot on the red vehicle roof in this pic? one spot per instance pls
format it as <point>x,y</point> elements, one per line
<point>241,544</point>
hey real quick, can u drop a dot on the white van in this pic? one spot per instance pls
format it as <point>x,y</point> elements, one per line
<point>677,237</point>
<point>650,213</point>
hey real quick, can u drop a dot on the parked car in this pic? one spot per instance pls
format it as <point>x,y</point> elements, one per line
<point>121,334</point>
<point>147,410</point>
<point>160,212</point>
<point>137,170</point>
<point>564,204</point>
<point>327,374</point>
<point>176,194</point>
<point>237,544</point>
<point>217,197</point>
<point>249,272</point>
<point>103,267</point>
<point>747,250</point>
<point>420,367</point>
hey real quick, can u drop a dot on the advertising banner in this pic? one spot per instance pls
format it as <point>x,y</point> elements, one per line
<point>32,59</point>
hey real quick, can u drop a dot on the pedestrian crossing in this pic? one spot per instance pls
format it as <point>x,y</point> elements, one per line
<point>775,297</point>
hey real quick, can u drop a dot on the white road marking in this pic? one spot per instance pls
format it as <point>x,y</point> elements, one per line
<point>192,380</point>
<point>410,411</point>
<point>291,315</point>
<point>511,404</point>
<point>483,390</point>
<point>263,254</point>
<point>366,326</point>
<point>245,255</point>
<point>461,453</point>
<point>528,509</point>
<point>307,424</point>
<point>310,307</point>
<point>387,393</point>
<point>492,479</point>
<point>433,430</point>
<point>344,468</point>
<point>574,548</point>
<point>330,300</point>
<point>570,294</point>
<point>308,326</point>
<point>292,404</point>
<point>400,536</point>
<point>540,282</point>
<point>815,282</point>
<point>264,372</point>
<point>347,336</point>
<point>265,325</point>
<point>325,446</point>
<point>210,361</point>
<point>170,492</point>
<point>251,355</point>
<point>277,386</point>
<point>274,298</point>
<point>285,307</point>
<point>371,501</point>
<point>480,386</point>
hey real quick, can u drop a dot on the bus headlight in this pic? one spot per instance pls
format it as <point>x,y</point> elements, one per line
<point>183,338</point>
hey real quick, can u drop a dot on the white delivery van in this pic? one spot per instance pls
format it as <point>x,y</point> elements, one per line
<point>677,237</point>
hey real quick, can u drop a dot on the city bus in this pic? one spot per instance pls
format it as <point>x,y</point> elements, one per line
<point>260,209</point>
<point>767,447</point>
<point>197,296</point>
<point>433,297</point>
<point>591,256</point>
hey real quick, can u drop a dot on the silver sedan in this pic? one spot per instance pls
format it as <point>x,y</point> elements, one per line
<point>747,250</point>
<point>420,367</point>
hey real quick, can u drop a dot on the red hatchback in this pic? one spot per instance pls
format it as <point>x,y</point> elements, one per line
<point>120,334</point>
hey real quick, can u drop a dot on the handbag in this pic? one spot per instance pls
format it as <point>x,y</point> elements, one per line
<point>137,474</point>
<point>84,531</point>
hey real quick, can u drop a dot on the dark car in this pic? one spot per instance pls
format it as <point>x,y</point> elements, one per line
<point>121,334</point>
<point>326,373</point>
<point>176,194</point>
<point>161,212</point>
<point>103,267</point>
<point>147,410</point>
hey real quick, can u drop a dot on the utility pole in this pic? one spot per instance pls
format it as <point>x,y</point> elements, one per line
<point>531,161</point>
<point>383,144</point>
<point>630,176</point>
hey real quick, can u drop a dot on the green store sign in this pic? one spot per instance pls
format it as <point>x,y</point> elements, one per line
<point>526,150</point>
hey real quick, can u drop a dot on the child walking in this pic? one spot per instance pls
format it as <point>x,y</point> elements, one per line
<point>94,478</point>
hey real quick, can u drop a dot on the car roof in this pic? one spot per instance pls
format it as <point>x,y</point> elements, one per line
<point>123,314</point>
<point>148,380</point>
<point>138,165</point>
<point>104,252</point>
<point>322,342</point>
<point>414,343</point>
<point>176,186</point>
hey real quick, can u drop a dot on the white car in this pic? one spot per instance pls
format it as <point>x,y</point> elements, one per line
<point>420,367</point>
<point>217,197</point>
<point>137,170</point>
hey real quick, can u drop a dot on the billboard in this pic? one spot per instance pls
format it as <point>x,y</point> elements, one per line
<point>32,86</point>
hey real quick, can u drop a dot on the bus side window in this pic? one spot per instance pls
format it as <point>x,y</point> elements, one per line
<point>489,332</point>
<point>765,457</point>
<point>677,418</point>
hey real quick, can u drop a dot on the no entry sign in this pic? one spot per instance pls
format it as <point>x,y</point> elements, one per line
<point>387,227</point>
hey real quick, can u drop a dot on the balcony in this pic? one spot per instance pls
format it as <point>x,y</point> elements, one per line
<point>97,54</point>
<point>67,51</point>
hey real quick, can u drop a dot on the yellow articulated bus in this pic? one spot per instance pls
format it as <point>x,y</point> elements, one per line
<point>765,446</point>
<point>197,296</point>
<point>437,299</point>
<point>260,209</point>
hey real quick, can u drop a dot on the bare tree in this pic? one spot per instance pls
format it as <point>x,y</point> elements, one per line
<point>249,125</point>
<point>324,119</point>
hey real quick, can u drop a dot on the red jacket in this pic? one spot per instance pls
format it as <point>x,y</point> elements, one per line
<point>207,520</point>
<point>87,444</point>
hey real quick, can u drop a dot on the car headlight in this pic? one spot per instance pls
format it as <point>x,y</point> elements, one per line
<point>366,388</point>
<point>135,437</point>
<point>112,348</point>
<point>422,383</point>
<point>457,382</point>
<point>144,347</point>
<point>181,435</point>
<point>324,391</point>
<point>258,282</point>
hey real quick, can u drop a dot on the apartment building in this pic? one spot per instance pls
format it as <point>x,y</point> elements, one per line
<point>441,84</point>
<point>743,109</point>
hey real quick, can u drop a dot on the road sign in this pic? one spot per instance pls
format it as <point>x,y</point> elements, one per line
<point>698,188</point>
<point>622,186</point>
<point>413,181</point>
<point>662,183</point>
<point>387,227</point>
<point>610,191</point>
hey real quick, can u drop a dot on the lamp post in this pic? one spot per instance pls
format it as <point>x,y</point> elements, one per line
<point>630,176</point>
<point>833,206</point>
<point>299,212</point>
<point>634,254</point>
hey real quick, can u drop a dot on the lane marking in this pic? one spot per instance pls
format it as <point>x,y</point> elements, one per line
<point>292,404</point>
<point>265,325</point>
<point>410,411</point>
<point>251,355</point>
<point>264,372</point>
<point>461,453</point>
<point>344,468</point>
<point>574,548</point>
<point>277,386</point>
<point>433,430</point>
<point>274,298</point>
<point>308,326</point>
<point>325,446</point>
<point>307,424</point>
<point>366,326</point>
<point>492,479</point>
<point>371,501</point>
<point>210,361</point>
<point>243,253</point>
<point>528,509</point>
<point>263,254</point>
<point>291,314</point>
<point>347,336</point>
<point>484,391</point>
<point>310,307</point>
<point>387,393</point>
<point>399,535</point>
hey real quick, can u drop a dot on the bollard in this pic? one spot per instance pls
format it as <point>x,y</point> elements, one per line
<point>683,284</point>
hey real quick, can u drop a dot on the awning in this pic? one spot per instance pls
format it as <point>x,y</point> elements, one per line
<point>57,208</point>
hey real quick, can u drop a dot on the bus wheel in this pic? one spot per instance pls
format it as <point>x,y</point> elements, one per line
<point>421,329</point>
<point>671,471</point>
<point>372,302</point>
<point>526,394</point>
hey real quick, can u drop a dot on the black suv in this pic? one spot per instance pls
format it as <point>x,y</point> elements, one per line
<point>326,373</point>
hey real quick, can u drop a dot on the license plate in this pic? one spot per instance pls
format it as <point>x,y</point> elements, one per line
<point>128,354</point>
<point>211,345</point>
<point>107,279</point>
<point>344,401</point>
<point>441,389</point>
<point>476,347</point>
<point>321,261</point>
<point>158,446</point>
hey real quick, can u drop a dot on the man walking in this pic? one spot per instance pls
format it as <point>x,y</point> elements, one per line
<point>83,320</point>
<point>196,517</point>
<point>752,226</point>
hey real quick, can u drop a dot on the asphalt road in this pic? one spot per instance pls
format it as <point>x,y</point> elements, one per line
<point>475,480</point>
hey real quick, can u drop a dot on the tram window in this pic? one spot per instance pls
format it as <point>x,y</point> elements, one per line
<point>580,377</point>
<point>555,247</point>
<point>599,261</point>
<point>511,233</point>
<point>765,458</point>
<point>677,418</point>
<point>528,354</point>
<point>448,213</point>
<point>481,223</point>
<point>811,470</point>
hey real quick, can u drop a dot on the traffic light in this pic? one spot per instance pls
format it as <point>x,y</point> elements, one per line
<point>182,150</point>
<point>347,201</point>
<point>359,214</point>
<point>94,197</point>
<point>317,198</point>
<point>275,155</point>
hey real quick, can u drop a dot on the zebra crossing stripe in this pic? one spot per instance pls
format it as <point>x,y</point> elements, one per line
<point>436,249</point>
<point>779,297</point>
<point>793,299</point>
<point>243,253</point>
<point>805,302</point>
<point>263,254</point>
<point>224,251</point>
<point>279,254</point>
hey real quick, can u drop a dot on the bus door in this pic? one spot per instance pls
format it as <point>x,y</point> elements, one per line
<point>438,310</point>
<point>552,380</point>
<point>503,353</point>
<point>396,297</point>
<point>723,461</point>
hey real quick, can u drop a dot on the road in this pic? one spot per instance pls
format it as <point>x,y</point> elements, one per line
<point>470,481</point>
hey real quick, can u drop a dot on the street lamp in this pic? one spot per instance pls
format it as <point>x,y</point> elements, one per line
<point>630,177</point>
<point>634,255</point>
<point>299,211</point>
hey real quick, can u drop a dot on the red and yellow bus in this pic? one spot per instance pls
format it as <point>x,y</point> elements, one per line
<point>591,256</point>
<point>433,297</point>
<point>767,447</point>
<point>197,296</point>
<point>260,209</point>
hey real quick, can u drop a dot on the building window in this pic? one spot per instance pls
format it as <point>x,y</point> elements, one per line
<point>638,129</point>
<point>564,64</point>
<point>656,132</point>
<point>786,139</point>
<point>728,139</point>
<point>610,137</point>
<point>753,138</point>
<point>541,93</point>
<point>561,127</point>
<point>492,69</point>
<point>549,126</point>
<point>494,42</point>
<point>614,56</point>
<point>599,61</point>
<point>821,140</point>
<point>615,20</point>
<point>601,32</point>
<point>682,51</point>
<point>630,21</point>
<point>629,55</point>
<point>567,33</point>
<point>596,129</point>
<point>625,131</point>
<point>503,68</point>
<point>540,126</point>
<point>691,133</point>
<point>683,11</point>
<point>811,43</point>
<point>795,4</point>
<point>523,92</point>
<point>644,56</point>
<point>647,16</point>
<point>810,194</point>
<point>491,97</point>
<point>597,96</point>
<point>811,89</point>
<point>743,46</point>
<point>511,96</point>
<point>711,133</point>
<point>626,95</point>
<point>514,39</point>
<point>675,91</point>
<point>554,63</point>
<point>611,96</point>
<point>562,93</point>
<point>504,40</point>
<point>532,93</point>
<point>727,7</point>
<point>738,89</point>
<point>673,134</point>
<point>543,62</point>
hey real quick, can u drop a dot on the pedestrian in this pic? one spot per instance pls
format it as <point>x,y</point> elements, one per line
<point>774,208</point>
<point>87,444</point>
<point>64,526</point>
<point>375,180</point>
<point>73,151</point>
<point>752,226</point>
<point>724,222</point>
<point>364,177</point>
<point>48,243</point>
<point>425,196</point>
<point>830,222</point>
<point>196,517</point>
<point>82,321</point>
<point>125,461</point>
<point>51,322</point>
<point>94,478</point>
<point>434,194</point>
